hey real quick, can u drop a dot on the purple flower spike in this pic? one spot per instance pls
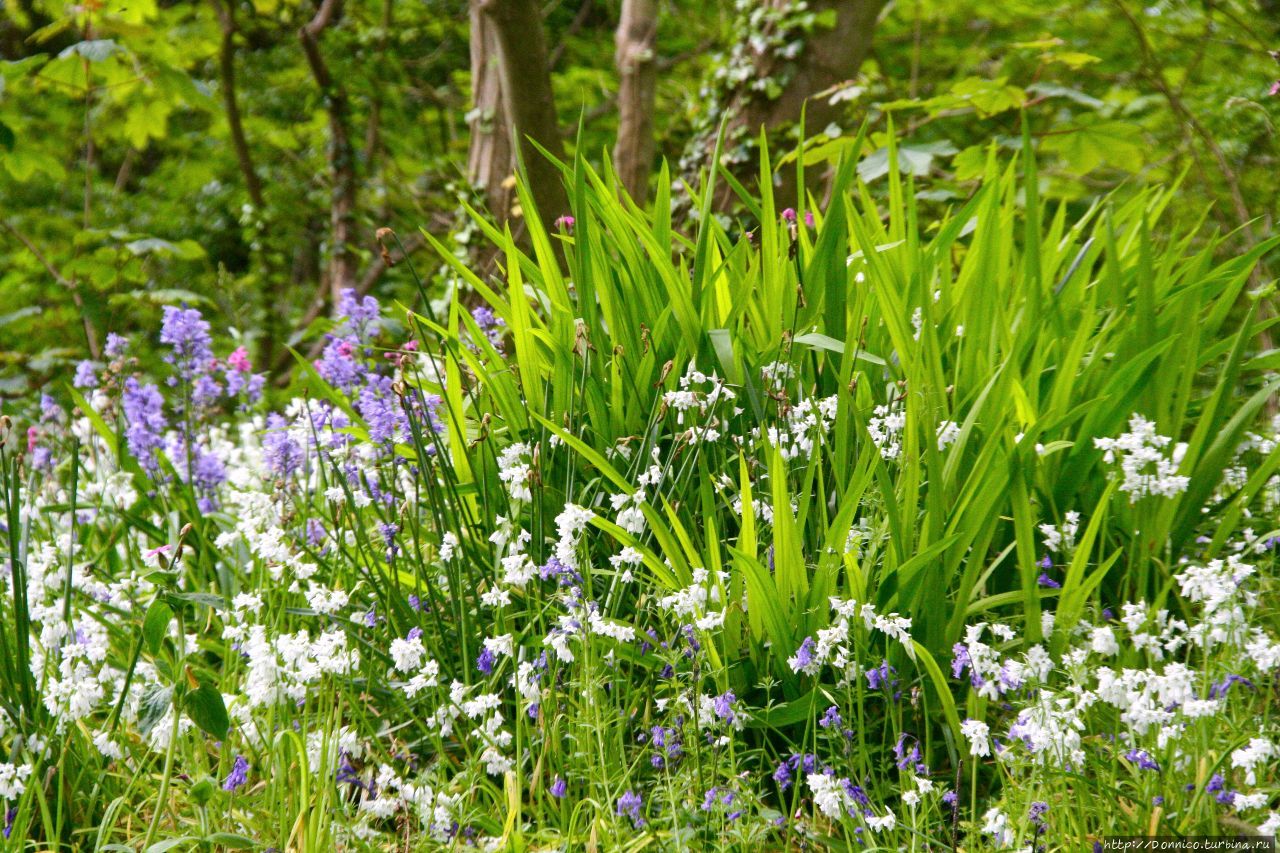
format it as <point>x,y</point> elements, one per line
<point>239,774</point>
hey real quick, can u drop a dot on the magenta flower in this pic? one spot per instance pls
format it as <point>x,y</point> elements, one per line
<point>239,360</point>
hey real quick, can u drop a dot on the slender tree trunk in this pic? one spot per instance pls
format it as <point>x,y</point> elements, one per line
<point>491,160</point>
<point>829,56</point>
<point>227,73</point>
<point>342,161</point>
<point>529,99</point>
<point>638,80</point>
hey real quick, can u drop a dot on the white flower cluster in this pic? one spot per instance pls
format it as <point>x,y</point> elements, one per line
<point>392,794</point>
<point>947,433</point>
<point>801,424</point>
<point>515,468</point>
<point>699,602</point>
<point>885,428</point>
<point>1146,468</point>
<point>13,780</point>
<point>1062,538</point>
<point>700,394</point>
<point>835,645</point>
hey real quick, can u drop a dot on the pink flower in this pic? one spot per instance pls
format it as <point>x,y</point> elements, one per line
<point>808,218</point>
<point>1275,88</point>
<point>32,434</point>
<point>566,222</point>
<point>240,360</point>
<point>789,214</point>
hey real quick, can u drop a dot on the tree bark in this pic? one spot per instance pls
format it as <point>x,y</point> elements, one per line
<point>637,84</point>
<point>227,72</point>
<point>529,100</point>
<point>491,162</point>
<point>829,57</point>
<point>341,155</point>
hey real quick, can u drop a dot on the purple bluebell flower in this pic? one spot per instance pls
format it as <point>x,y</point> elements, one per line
<point>282,453</point>
<point>804,654</point>
<point>347,773</point>
<point>490,324</point>
<point>630,804</point>
<point>486,660</point>
<point>960,660</point>
<point>782,775</point>
<point>145,423</point>
<point>380,407</point>
<point>559,788</point>
<point>338,364</point>
<point>831,718</point>
<point>1220,690</point>
<point>1046,581</point>
<point>905,759</point>
<point>187,332</point>
<point>855,793</point>
<point>116,345</point>
<point>361,313</point>
<point>205,390</point>
<point>316,534</point>
<point>723,706</point>
<point>239,774</point>
<point>1143,759</point>
<point>86,375</point>
<point>208,473</point>
<point>879,677</point>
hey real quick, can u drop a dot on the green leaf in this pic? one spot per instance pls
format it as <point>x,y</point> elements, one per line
<point>207,599</point>
<point>989,97</point>
<point>171,843</point>
<point>231,841</point>
<point>1112,143</point>
<point>915,160</point>
<point>206,709</point>
<point>156,624</point>
<point>1051,90</point>
<point>202,791</point>
<point>94,50</point>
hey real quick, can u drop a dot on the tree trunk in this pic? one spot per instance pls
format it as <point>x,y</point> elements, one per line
<point>342,160</point>
<point>231,104</point>
<point>490,160</point>
<point>529,100</point>
<point>829,56</point>
<point>638,79</point>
